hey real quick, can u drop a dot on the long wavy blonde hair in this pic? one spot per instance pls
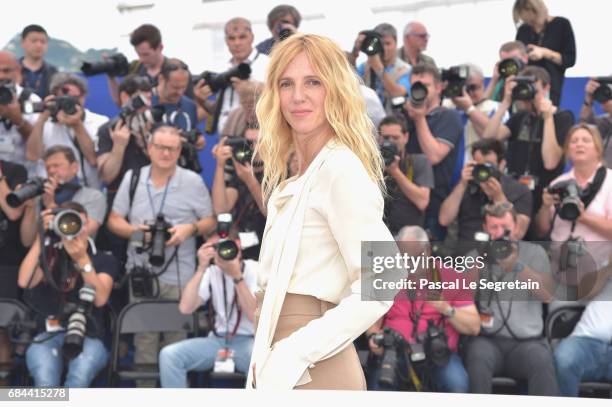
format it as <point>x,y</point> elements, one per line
<point>344,106</point>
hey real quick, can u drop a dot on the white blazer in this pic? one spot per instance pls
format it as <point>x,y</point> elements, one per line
<point>323,260</point>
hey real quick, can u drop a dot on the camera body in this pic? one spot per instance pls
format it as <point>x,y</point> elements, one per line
<point>8,91</point>
<point>189,158</point>
<point>372,43</point>
<point>604,92</point>
<point>388,150</point>
<point>218,81</point>
<point>64,103</point>
<point>115,65</point>
<point>569,192</point>
<point>455,76</point>
<point>482,172</point>
<point>134,104</point>
<point>159,237</point>
<point>525,88</point>
<point>21,333</point>
<point>392,342</point>
<point>226,248</point>
<point>497,249</point>
<point>510,66</point>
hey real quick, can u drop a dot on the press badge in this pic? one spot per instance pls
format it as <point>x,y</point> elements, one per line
<point>53,325</point>
<point>248,239</point>
<point>224,363</point>
<point>528,180</point>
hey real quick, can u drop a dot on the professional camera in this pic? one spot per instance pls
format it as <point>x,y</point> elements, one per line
<point>115,65</point>
<point>76,326</point>
<point>226,248</point>
<point>283,31</point>
<point>156,246</point>
<point>498,249</point>
<point>64,103</point>
<point>569,192</point>
<point>482,172</point>
<point>7,91</point>
<point>372,43</point>
<point>32,188</point>
<point>418,94</point>
<point>135,103</point>
<point>604,92</point>
<point>510,66</point>
<point>525,88</point>
<point>455,76</point>
<point>189,158</point>
<point>218,81</point>
<point>66,223</point>
<point>392,342</point>
<point>21,333</point>
<point>436,344</point>
<point>242,149</point>
<point>388,150</point>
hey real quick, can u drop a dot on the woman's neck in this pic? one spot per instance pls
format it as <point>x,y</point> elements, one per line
<point>585,170</point>
<point>307,148</point>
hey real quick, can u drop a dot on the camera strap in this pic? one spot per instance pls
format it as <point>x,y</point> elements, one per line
<point>234,303</point>
<point>133,185</point>
<point>73,139</point>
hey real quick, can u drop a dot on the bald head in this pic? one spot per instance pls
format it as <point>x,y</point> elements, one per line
<point>239,39</point>
<point>9,66</point>
<point>237,25</point>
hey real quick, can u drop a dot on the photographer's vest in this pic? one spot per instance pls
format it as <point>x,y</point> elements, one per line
<point>396,71</point>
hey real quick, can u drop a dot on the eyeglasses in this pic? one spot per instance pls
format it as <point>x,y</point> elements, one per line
<point>169,149</point>
<point>498,209</point>
<point>423,36</point>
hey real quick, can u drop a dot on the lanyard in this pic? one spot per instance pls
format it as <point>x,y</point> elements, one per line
<point>227,316</point>
<point>161,207</point>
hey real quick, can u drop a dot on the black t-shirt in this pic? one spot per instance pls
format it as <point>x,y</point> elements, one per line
<point>47,301</point>
<point>557,36</point>
<point>399,210</point>
<point>524,153</point>
<point>11,250</point>
<point>246,213</point>
<point>134,157</point>
<point>446,126</point>
<point>474,199</point>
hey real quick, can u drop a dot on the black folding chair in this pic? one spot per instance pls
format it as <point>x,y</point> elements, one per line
<point>153,316</point>
<point>560,324</point>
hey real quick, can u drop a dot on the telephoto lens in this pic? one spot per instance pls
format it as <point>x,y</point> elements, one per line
<point>509,66</point>
<point>159,236</point>
<point>418,94</point>
<point>32,188</point>
<point>66,223</point>
<point>77,323</point>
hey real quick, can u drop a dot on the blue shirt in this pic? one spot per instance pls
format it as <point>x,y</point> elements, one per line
<point>183,115</point>
<point>403,80</point>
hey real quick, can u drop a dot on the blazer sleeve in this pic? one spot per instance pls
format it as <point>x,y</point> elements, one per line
<point>354,211</point>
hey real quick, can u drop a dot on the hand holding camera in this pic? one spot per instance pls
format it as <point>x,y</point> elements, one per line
<point>77,249</point>
<point>544,106</point>
<point>48,196</point>
<point>180,233</point>
<point>536,52</point>
<point>463,102</point>
<point>71,119</point>
<point>467,174</point>
<point>507,263</point>
<point>202,91</point>
<point>120,134</point>
<point>493,189</point>
<point>509,86</point>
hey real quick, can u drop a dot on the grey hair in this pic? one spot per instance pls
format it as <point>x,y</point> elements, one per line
<point>385,29</point>
<point>474,71</point>
<point>415,232</point>
<point>63,78</point>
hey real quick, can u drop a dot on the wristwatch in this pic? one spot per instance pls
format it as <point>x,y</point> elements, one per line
<point>450,312</point>
<point>238,280</point>
<point>518,267</point>
<point>88,268</point>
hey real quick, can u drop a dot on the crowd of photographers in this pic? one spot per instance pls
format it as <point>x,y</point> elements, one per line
<point>97,211</point>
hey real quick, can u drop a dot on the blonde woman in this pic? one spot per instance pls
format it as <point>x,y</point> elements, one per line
<point>549,40</point>
<point>312,308</point>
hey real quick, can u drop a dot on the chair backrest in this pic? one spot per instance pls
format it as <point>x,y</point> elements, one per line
<point>9,308</point>
<point>153,316</point>
<point>561,322</point>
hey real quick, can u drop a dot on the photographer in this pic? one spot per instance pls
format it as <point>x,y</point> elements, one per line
<point>604,121</point>
<point>65,121</point>
<point>550,41</point>
<point>283,20</point>
<point>451,313</point>
<point>61,186</point>
<point>75,267</point>
<point>239,41</point>
<point>384,71</point>
<point>437,133</point>
<point>173,206</point>
<point>239,192</point>
<point>475,111</point>
<point>123,147</point>
<point>511,342</point>
<point>15,126</point>
<point>582,215</point>
<point>36,73</point>
<point>409,177</point>
<point>415,42</point>
<point>510,50</point>
<point>232,328</point>
<point>491,186</point>
<point>178,110</point>
<point>535,133</point>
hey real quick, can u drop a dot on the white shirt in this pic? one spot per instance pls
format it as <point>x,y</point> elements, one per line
<point>12,143</point>
<point>231,99</point>
<point>213,282</point>
<point>312,245</point>
<point>56,133</point>
<point>596,320</point>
